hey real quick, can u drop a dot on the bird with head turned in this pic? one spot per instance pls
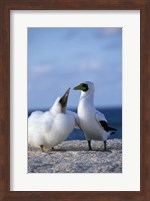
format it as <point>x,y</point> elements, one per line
<point>47,129</point>
<point>92,122</point>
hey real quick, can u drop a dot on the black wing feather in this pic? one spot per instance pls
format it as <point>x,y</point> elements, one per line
<point>112,129</point>
<point>106,127</point>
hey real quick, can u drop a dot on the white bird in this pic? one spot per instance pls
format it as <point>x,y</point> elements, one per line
<point>51,127</point>
<point>91,121</point>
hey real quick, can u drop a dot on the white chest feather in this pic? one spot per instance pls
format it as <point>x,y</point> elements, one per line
<point>91,128</point>
<point>45,129</point>
<point>62,126</point>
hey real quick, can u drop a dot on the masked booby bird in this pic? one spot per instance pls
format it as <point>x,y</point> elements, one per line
<point>92,122</point>
<point>51,127</point>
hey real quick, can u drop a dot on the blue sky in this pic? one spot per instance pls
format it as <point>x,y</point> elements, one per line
<point>59,58</point>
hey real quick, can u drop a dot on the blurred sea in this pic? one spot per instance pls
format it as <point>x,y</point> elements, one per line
<point>113,116</point>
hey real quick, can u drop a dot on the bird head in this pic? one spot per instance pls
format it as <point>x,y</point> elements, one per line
<point>61,103</point>
<point>63,100</point>
<point>85,87</point>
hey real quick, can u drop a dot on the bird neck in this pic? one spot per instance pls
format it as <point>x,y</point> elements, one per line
<point>55,109</point>
<point>87,97</point>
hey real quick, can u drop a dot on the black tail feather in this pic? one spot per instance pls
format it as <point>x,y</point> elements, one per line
<point>112,133</point>
<point>112,129</point>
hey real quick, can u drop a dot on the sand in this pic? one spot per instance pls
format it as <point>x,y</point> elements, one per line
<point>74,157</point>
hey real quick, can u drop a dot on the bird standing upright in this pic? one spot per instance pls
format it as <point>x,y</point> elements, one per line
<point>92,122</point>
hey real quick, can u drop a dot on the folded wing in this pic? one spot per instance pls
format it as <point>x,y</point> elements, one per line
<point>100,118</point>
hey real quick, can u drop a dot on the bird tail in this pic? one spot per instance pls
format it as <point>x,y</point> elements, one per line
<point>113,130</point>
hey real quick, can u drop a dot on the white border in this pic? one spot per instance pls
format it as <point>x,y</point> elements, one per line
<point>129,180</point>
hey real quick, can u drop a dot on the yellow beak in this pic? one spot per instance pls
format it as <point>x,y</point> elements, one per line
<point>79,87</point>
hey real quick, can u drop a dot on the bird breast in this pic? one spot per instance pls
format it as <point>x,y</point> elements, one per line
<point>86,114</point>
<point>64,123</point>
<point>88,123</point>
<point>62,126</point>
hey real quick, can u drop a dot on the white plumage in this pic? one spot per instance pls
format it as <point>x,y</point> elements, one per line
<point>75,116</point>
<point>92,122</point>
<point>51,127</point>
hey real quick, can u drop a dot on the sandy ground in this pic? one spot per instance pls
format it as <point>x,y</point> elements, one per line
<point>74,157</point>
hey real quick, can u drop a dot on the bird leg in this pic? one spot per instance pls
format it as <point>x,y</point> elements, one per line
<point>105,149</point>
<point>41,146</point>
<point>105,145</point>
<point>89,144</point>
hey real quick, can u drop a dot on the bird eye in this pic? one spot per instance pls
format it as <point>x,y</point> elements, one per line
<point>84,85</point>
